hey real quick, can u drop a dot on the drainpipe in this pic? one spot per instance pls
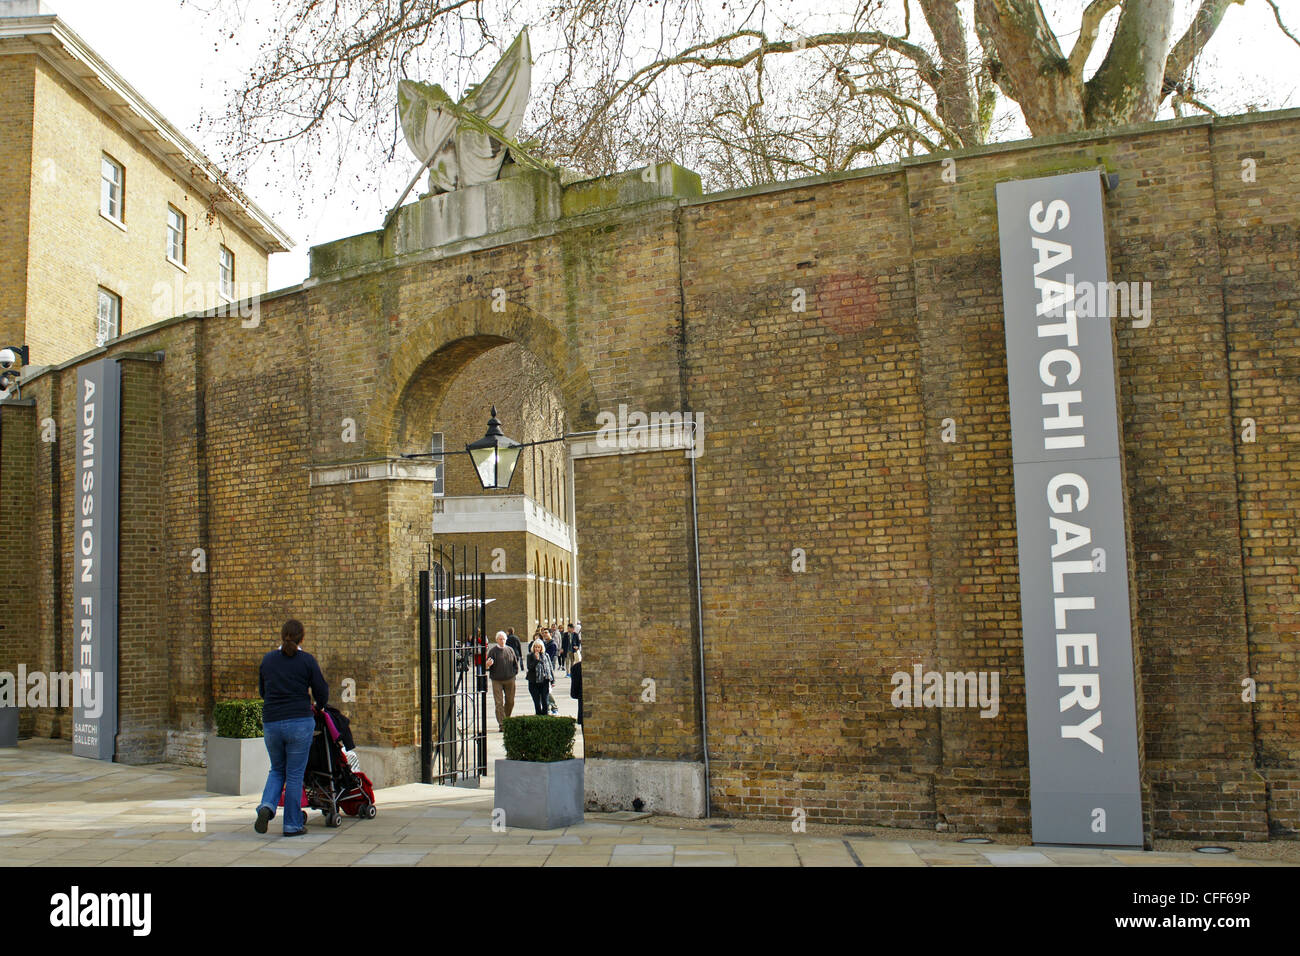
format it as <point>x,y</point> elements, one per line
<point>699,624</point>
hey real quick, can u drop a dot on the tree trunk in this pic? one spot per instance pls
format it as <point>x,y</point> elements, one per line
<point>1127,86</point>
<point>1034,72</point>
<point>956,99</point>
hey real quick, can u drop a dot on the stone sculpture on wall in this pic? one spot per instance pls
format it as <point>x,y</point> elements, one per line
<point>465,144</point>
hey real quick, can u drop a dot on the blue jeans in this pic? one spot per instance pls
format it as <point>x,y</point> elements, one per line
<point>287,743</point>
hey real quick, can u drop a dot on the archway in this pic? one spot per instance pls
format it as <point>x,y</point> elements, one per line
<point>523,535</point>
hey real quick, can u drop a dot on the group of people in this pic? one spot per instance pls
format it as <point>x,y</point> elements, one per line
<point>549,649</point>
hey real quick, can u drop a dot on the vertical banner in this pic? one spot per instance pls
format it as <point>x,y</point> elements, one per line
<point>1074,595</point>
<point>94,567</point>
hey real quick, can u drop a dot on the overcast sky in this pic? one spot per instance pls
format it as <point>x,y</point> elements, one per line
<point>180,61</point>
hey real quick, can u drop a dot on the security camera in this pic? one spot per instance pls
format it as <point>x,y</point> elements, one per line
<point>12,355</point>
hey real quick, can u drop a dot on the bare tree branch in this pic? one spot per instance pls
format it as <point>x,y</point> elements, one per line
<point>1192,42</point>
<point>712,86</point>
<point>950,137</point>
<point>871,146</point>
<point>1280,25</point>
<point>692,56</point>
<point>1092,16</point>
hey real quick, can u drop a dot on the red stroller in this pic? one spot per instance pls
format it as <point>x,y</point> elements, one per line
<point>334,781</point>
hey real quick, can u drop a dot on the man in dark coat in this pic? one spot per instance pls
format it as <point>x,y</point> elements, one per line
<point>512,642</point>
<point>575,688</point>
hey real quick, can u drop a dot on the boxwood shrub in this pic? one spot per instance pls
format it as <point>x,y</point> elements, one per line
<point>540,738</point>
<point>238,719</point>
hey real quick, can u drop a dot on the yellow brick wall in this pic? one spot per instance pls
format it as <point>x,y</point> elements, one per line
<point>15,182</point>
<point>74,250</point>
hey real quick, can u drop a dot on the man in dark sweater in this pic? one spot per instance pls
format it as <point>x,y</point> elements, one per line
<point>512,642</point>
<point>502,667</point>
<point>283,680</point>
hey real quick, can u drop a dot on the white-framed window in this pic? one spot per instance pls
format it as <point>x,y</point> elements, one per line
<point>109,316</point>
<point>176,235</point>
<point>226,273</point>
<point>112,189</point>
<point>436,447</point>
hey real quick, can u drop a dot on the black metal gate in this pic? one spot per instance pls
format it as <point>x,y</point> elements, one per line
<point>452,595</point>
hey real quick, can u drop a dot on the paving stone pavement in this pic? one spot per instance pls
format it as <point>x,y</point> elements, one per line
<point>61,810</point>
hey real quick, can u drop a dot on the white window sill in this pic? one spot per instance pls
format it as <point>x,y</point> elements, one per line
<point>178,265</point>
<point>120,225</point>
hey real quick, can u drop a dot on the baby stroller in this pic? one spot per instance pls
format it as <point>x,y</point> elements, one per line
<point>334,781</point>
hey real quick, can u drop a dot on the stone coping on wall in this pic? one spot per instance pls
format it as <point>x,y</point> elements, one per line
<point>379,469</point>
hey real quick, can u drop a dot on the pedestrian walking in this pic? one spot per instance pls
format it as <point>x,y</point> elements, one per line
<point>502,666</point>
<point>553,652</point>
<point>539,676</point>
<point>575,688</point>
<point>565,651</point>
<point>289,681</point>
<point>512,641</point>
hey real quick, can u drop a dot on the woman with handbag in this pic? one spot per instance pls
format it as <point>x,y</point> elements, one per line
<point>540,675</point>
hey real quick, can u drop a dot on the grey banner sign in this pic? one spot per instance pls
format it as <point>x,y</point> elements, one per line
<point>94,567</point>
<point>1074,595</point>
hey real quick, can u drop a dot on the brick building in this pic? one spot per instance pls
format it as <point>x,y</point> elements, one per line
<point>849,516</point>
<point>113,220</point>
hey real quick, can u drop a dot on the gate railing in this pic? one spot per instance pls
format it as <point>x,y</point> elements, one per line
<point>451,595</point>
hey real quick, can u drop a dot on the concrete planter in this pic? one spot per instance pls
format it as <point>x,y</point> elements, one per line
<point>8,726</point>
<point>539,796</point>
<point>237,766</point>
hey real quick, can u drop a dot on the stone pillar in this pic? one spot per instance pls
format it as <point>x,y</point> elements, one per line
<point>373,523</point>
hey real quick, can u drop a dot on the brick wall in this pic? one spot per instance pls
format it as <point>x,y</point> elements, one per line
<point>145,637</point>
<point>1259,251</point>
<point>813,460</point>
<point>639,663</point>
<point>842,539</point>
<point>16,74</point>
<point>19,443</point>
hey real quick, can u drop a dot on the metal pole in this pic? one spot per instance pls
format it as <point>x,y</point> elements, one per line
<point>426,683</point>
<point>481,729</point>
<point>699,615</point>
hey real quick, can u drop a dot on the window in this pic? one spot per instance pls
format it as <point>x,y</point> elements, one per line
<point>110,317</point>
<point>112,189</point>
<point>227,273</point>
<point>439,476</point>
<point>176,235</point>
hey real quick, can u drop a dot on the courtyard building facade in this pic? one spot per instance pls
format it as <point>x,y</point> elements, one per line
<point>113,220</point>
